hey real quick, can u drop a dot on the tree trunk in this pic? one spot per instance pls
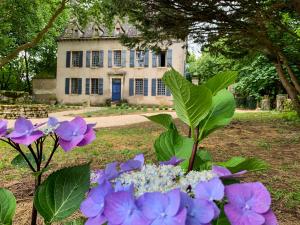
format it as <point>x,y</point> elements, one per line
<point>293,77</point>
<point>292,92</point>
<point>27,73</point>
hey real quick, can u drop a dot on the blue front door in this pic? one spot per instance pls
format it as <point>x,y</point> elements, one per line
<point>116,90</point>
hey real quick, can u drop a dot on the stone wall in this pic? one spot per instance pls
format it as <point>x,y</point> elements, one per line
<point>44,90</point>
<point>28,111</point>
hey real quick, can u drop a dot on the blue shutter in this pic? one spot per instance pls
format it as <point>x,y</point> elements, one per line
<point>168,92</point>
<point>88,58</point>
<point>109,58</point>
<point>80,58</point>
<point>145,86</point>
<point>67,86</point>
<point>154,59</point>
<point>68,59</point>
<point>100,83</point>
<point>169,58</point>
<point>101,58</point>
<point>146,61</point>
<point>79,86</point>
<point>153,93</point>
<point>132,52</point>
<point>123,58</point>
<point>131,84</point>
<point>87,86</point>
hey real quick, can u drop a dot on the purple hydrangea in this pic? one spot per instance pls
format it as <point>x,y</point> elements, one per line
<point>162,208</point>
<point>225,173</point>
<point>199,212</point>
<point>133,164</point>
<point>24,132</point>
<point>174,161</point>
<point>52,122</point>
<point>121,209</point>
<point>248,204</point>
<point>93,206</point>
<point>3,127</point>
<point>75,133</point>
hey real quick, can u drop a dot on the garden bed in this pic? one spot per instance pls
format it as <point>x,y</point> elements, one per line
<point>264,135</point>
<point>28,111</point>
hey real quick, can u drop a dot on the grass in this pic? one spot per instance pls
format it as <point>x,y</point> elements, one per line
<point>121,110</point>
<point>273,137</point>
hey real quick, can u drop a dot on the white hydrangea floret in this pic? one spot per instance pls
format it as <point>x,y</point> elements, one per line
<point>162,178</point>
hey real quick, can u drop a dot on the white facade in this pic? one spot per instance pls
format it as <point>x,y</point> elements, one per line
<point>96,69</point>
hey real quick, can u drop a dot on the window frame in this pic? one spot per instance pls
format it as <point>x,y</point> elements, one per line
<point>75,83</point>
<point>162,90</point>
<point>137,62</point>
<point>114,58</point>
<point>140,88</point>
<point>93,64</point>
<point>94,89</point>
<point>157,60</point>
<point>77,59</point>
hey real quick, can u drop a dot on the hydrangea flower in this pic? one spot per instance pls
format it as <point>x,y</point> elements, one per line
<point>24,132</point>
<point>199,212</point>
<point>75,133</point>
<point>248,204</point>
<point>162,208</point>
<point>121,209</point>
<point>3,127</point>
<point>225,173</point>
<point>211,190</point>
<point>174,161</point>
<point>133,164</point>
<point>93,206</point>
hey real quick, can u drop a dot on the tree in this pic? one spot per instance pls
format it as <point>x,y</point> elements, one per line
<point>234,28</point>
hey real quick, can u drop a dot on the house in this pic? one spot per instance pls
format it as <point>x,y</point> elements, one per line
<point>93,67</point>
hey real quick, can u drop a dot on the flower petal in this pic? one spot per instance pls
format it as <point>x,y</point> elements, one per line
<point>89,208</point>
<point>238,216</point>
<point>270,218</point>
<point>23,125</point>
<point>89,137</point>
<point>118,206</point>
<point>69,145</point>
<point>97,220</point>
<point>153,204</point>
<point>79,124</point>
<point>210,190</point>
<point>65,130</point>
<point>28,139</point>
<point>174,202</point>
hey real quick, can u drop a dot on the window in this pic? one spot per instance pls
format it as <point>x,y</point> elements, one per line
<point>76,59</point>
<point>140,58</point>
<point>74,86</point>
<point>95,58</point>
<point>95,86</point>
<point>162,59</point>
<point>117,58</point>
<point>139,86</point>
<point>161,89</point>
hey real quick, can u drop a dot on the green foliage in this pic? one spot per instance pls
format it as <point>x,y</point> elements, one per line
<point>220,115</point>
<point>7,207</point>
<point>19,160</point>
<point>192,103</point>
<point>60,195</point>
<point>237,164</point>
<point>221,81</point>
<point>163,119</point>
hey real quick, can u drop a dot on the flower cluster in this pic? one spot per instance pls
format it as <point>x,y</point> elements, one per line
<point>137,194</point>
<point>70,133</point>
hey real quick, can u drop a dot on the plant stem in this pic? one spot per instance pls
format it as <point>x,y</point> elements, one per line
<point>55,146</point>
<point>194,151</point>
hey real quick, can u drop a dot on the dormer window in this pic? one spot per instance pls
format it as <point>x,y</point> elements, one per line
<point>118,30</point>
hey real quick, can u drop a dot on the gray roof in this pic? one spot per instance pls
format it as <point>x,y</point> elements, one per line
<point>94,30</point>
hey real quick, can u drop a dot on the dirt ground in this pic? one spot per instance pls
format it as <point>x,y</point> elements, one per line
<point>275,141</point>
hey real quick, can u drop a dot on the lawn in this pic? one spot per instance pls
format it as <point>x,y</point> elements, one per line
<point>270,136</point>
<point>123,110</point>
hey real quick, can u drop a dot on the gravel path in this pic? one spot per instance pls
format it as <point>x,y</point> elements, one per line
<point>104,121</point>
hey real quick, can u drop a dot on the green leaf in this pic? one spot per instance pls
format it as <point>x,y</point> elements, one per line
<point>221,81</point>
<point>192,103</point>
<point>220,115</point>
<point>170,143</point>
<point>237,164</point>
<point>203,160</point>
<point>61,193</point>
<point>79,221</point>
<point>163,119</point>
<point>8,205</point>
<point>19,161</point>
